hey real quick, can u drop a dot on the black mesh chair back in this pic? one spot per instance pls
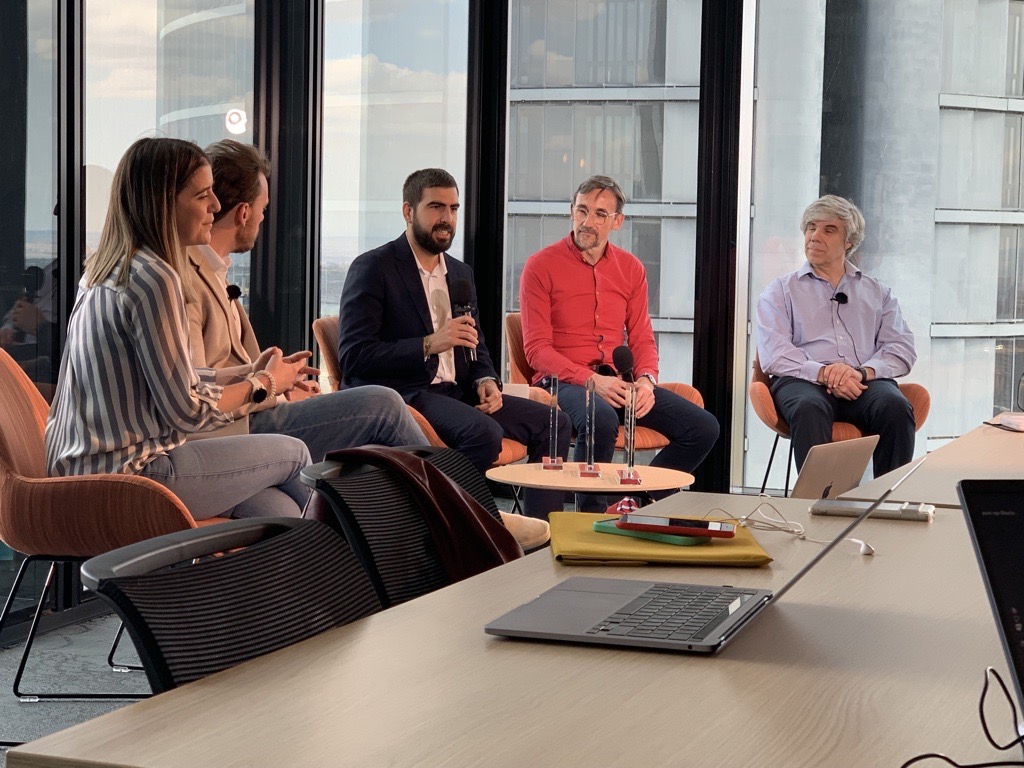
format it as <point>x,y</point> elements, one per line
<point>455,464</point>
<point>270,583</point>
<point>380,519</point>
<point>385,527</point>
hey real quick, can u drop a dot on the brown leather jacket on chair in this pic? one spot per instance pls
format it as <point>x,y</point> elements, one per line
<point>468,539</point>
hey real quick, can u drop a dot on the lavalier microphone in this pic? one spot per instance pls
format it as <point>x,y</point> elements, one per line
<point>840,298</point>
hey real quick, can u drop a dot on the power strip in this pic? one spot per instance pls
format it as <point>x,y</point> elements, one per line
<point>890,510</point>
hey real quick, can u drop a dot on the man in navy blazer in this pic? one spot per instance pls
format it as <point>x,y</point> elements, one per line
<point>399,328</point>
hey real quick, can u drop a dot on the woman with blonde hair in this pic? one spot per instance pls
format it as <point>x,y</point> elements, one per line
<point>128,394</point>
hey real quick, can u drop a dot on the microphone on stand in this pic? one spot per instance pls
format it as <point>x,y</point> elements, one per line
<point>622,359</point>
<point>461,294</point>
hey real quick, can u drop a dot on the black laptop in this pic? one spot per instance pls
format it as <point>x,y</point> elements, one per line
<point>995,517</point>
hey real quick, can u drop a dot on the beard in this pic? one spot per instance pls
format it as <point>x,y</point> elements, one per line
<point>437,240</point>
<point>245,239</point>
<point>585,238</point>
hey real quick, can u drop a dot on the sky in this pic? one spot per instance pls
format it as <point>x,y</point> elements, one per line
<point>394,101</point>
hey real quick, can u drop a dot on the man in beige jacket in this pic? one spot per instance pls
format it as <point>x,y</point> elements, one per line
<point>222,336</point>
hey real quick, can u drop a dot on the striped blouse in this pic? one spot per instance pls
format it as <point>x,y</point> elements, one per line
<point>128,391</point>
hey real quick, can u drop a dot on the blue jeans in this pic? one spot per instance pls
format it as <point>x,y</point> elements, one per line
<point>691,431</point>
<point>239,476</point>
<point>351,418</point>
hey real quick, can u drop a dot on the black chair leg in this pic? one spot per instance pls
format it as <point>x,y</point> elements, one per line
<point>33,628</point>
<point>789,468</point>
<point>113,649</point>
<point>517,508</point>
<point>14,591</point>
<point>8,605</point>
<point>768,469</point>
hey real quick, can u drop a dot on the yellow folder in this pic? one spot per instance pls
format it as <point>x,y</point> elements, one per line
<point>575,542</point>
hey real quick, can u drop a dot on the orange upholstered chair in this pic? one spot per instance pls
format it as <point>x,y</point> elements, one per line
<point>520,372</point>
<point>65,519</point>
<point>326,330</point>
<point>764,407</point>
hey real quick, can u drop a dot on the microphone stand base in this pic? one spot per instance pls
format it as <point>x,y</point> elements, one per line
<point>628,477</point>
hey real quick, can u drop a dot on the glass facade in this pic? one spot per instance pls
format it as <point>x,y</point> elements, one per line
<point>394,102</point>
<point>594,89</point>
<point>933,158</point>
<point>914,109</point>
<point>179,68</point>
<point>29,272</point>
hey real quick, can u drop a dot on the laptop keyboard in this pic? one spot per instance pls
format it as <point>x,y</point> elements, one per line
<point>671,611</point>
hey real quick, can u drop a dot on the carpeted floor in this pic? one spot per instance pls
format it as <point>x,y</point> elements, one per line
<point>71,658</point>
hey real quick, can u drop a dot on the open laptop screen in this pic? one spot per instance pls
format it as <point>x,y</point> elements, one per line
<point>995,517</point>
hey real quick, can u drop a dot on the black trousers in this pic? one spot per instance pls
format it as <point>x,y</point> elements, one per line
<point>880,410</point>
<point>478,435</point>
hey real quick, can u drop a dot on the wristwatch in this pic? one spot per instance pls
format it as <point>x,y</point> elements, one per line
<point>863,374</point>
<point>259,392</point>
<point>649,377</point>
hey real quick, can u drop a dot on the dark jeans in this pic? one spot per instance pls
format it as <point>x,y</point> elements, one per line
<point>880,410</point>
<point>478,435</point>
<point>691,431</point>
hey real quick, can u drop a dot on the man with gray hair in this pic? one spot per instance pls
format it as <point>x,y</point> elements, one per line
<point>583,297</point>
<point>833,340</point>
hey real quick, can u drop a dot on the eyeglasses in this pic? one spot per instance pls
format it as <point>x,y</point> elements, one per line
<point>582,213</point>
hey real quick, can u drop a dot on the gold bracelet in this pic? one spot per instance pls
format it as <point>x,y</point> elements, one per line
<point>426,347</point>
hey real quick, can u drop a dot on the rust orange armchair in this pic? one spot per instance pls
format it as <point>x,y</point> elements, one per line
<point>65,519</point>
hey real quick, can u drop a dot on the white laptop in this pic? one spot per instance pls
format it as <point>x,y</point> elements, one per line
<point>834,468</point>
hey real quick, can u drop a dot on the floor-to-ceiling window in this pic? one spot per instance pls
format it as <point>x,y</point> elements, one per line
<point>29,274</point>
<point>394,102</point>
<point>178,68</point>
<point>913,110</point>
<point>609,87</point>
<point>171,68</point>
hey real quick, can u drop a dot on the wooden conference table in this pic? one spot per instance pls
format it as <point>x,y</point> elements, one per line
<point>867,662</point>
<point>985,452</point>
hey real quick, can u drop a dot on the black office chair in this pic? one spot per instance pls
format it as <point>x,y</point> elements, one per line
<point>384,524</point>
<point>203,600</point>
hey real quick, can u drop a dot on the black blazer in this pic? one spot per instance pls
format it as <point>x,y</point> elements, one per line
<point>384,317</point>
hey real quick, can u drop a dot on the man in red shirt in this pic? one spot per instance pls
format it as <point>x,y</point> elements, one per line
<point>580,299</point>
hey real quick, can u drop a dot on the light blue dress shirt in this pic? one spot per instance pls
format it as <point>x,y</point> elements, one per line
<point>800,327</point>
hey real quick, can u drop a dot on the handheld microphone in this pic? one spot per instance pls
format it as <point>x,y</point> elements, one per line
<point>622,358</point>
<point>461,294</point>
<point>840,298</point>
